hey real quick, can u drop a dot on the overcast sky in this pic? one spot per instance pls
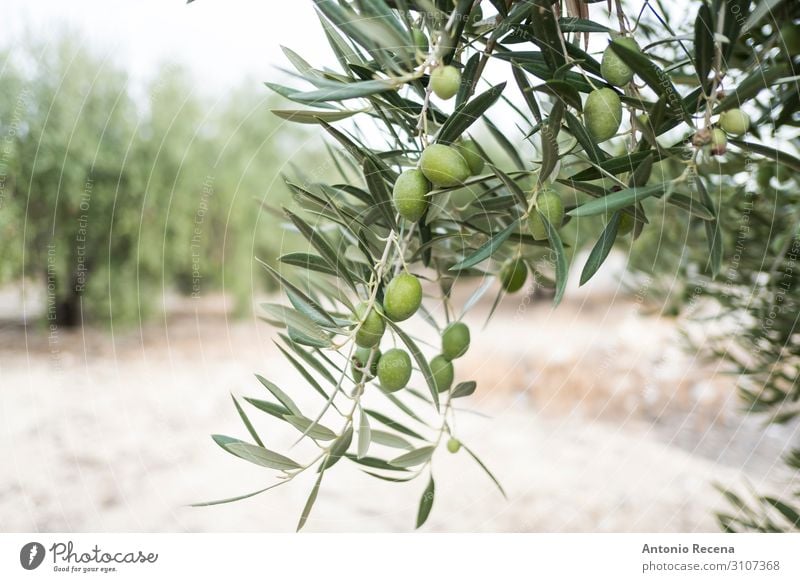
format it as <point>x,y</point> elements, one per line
<point>223,41</point>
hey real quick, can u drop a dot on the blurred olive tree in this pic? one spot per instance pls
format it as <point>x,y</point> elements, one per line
<point>114,197</point>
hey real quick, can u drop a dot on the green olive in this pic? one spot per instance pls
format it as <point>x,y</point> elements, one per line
<point>513,275</point>
<point>549,204</point>
<point>626,224</point>
<point>613,68</point>
<point>472,155</point>
<point>453,445</point>
<point>372,326</point>
<point>443,165</point>
<point>734,121</point>
<point>409,195</point>
<point>455,340</point>
<point>719,142</point>
<point>402,297</point>
<point>394,370</point>
<point>445,81</point>
<point>602,114</point>
<point>442,373</point>
<point>360,359</point>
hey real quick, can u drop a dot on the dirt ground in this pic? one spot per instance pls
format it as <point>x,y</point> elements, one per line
<point>591,415</point>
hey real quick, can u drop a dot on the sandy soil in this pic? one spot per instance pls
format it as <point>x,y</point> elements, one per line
<point>591,416</point>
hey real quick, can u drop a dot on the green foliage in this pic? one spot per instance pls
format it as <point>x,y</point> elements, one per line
<point>607,175</point>
<point>117,199</point>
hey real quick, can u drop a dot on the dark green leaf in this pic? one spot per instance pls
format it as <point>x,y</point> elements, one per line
<point>601,248</point>
<point>464,389</point>
<point>419,357</point>
<point>617,200</point>
<point>383,419</point>
<point>468,114</point>
<point>562,267</point>
<point>246,422</point>
<point>487,249</point>
<point>426,503</point>
<point>309,116</point>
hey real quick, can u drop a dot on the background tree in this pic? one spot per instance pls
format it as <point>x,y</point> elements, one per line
<point>612,140</point>
<point>113,198</point>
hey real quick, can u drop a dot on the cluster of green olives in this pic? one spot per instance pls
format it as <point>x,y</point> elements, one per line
<point>402,298</point>
<point>733,122</point>
<point>442,166</point>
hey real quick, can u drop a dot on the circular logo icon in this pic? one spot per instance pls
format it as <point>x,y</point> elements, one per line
<point>31,555</point>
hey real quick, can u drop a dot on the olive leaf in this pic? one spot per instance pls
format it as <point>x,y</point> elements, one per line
<point>426,503</point>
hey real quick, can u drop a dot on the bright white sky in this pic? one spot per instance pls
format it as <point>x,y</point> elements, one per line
<point>222,41</point>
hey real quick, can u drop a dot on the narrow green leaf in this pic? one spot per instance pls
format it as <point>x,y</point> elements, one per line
<point>276,410</point>
<point>309,503</point>
<point>338,449</point>
<point>426,503</point>
<point>704,28</point>
<point>546,32</point>
<point>388,439</point>
<point>468,114</point>
<point>293,319</point>
<point>246,421</point>
<point>309,116</point>
<point>364,435</point>
<point>413,458</point>
<point>306,425</point>
<point>374,463</point>
<point>617,200</point>
<point>238,497</point>
<point>653,75</point>
<point>464,389</point>
<point>562,267</point>
<point>383,419</point>
<point>487,249</point>
<point>308,262</point>
<point>279,394</point>
<point>713,229</point>
<point>419,357</point>
<point>601,248</point>
<point>485,469</point>
<point>261,456</point>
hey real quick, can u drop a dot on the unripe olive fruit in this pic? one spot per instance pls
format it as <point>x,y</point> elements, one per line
<point>549,204</point>
<point>409,193</point>
<point>402,297</point>
<point>360,359</point>
<point>626,223</point>
<point>455,340</point>
<point>442,373</point>
<point>613,68</point>
<point>445,81</point>
<point>420,40</point>
<point>453,445</point>
<point>443,165</point>
<point>513,275</point>
<point>719,142</point>
<point>372,326</point>
<point>472,155</point>
<point>734,121</point>
<point>394,369</point>
<point>463,197</point>
<point>602,113</point>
